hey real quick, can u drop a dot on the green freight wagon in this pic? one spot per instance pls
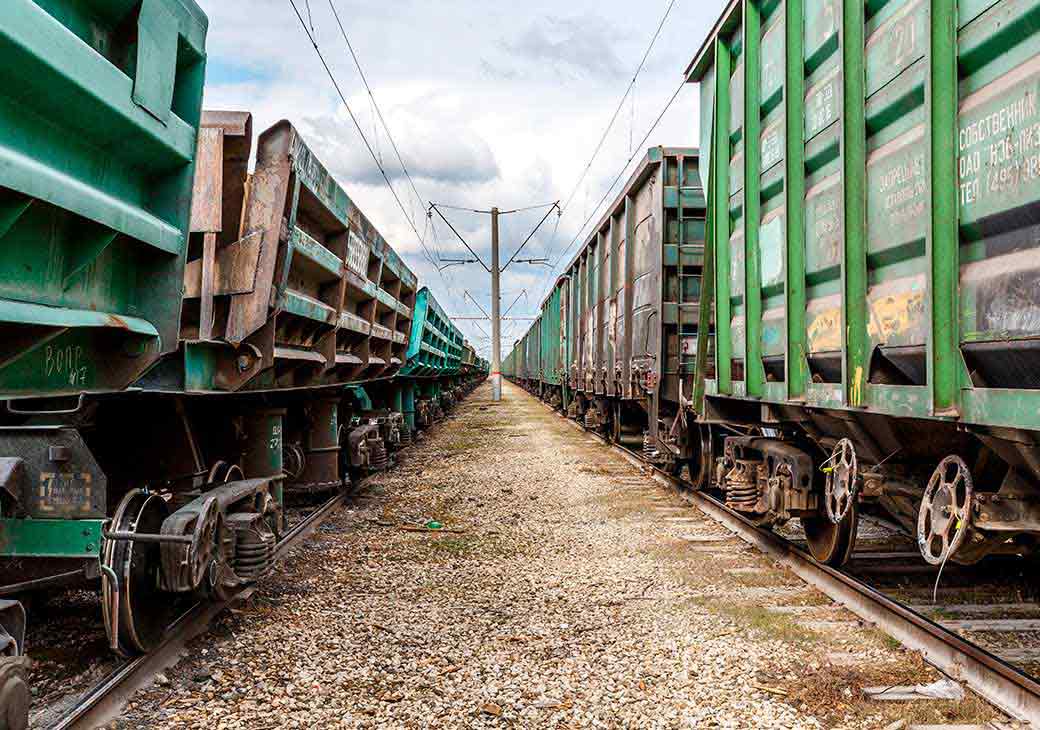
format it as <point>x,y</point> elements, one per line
<point>509,363</point>
<point>432,365</point>
<point>553,349</point>
<point>99,114</point>
<point>99,111</point>
<point>873,176</point>
<point>533,357</point>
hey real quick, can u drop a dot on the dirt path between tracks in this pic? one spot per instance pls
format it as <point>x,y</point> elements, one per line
<point>567,590</point>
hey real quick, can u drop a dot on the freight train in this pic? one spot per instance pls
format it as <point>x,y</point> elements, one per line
<point>615,343</point>
<point>185,342</point>
<point>862,337</point>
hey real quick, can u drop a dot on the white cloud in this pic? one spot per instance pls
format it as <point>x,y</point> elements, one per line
<point>490,103</point>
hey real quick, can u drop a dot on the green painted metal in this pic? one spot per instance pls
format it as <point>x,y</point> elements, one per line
<point>435,347</point>
<point>301,305</point>
<point>552,339</point>
<point>854,162</point>
<point>50,538</point>
<point>361,396</point>
<point>719,202</point>
<point>305,246</point>
<point>909,198</point>
<point>707,301</point>
<point>408,404</point>
<point>943,244</point>
<point>796,369</point>
<point>754,375</point>
<point>99,112</point>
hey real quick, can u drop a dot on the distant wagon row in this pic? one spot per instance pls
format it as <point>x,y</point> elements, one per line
<point>185,343</point>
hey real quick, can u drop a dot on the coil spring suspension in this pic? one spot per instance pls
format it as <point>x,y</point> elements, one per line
<point>254,553</point>
<point>377,456</point>
<point>406,436</point>
<point>742,486</point>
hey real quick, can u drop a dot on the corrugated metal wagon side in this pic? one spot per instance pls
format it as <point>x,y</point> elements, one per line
<point>553,346</point>
<point>629,310</point>
<point>874,203</point>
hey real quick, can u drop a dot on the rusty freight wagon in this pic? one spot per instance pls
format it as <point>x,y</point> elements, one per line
<point>171,481</point>
<point>619,330</point>
<point>291,292</point>
<point>288,284</point>
<point>874,201</point>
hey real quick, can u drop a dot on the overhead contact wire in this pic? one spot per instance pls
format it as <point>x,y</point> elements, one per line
<point>360,131</point>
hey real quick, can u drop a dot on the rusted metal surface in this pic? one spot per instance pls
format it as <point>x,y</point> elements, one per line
<point>623,320</point>
<point>287,266</point>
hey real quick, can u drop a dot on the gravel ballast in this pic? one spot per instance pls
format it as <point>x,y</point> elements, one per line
<point>566,590</point>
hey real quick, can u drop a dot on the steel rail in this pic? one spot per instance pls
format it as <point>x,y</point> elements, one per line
<point>1000,683</point>
<point>106,698</point>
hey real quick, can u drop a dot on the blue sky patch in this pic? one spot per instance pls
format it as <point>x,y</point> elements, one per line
<point>220,71</point>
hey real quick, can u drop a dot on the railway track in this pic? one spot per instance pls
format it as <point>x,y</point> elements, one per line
<point>988,672</point>
<point>105,699</point>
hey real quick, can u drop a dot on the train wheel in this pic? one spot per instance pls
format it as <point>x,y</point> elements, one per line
<point>842,480</point>
<point>832,544</point>
<point>136,610</point>
<point>701,464</point>
<point>944,520</point>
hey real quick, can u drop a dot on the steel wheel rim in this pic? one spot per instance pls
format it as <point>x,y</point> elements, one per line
<point>944,516</point>
<point>842,480</point>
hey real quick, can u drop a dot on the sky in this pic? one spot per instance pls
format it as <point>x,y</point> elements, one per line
<point>489,103</point>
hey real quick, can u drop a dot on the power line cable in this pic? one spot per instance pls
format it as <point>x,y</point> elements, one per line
<point>555,206</point>
<point>378,110</point>
<point>360,131</point>
<point>621,103</point>
<point>617,179</point>
<point>464,210</point>
<point>530,207</point>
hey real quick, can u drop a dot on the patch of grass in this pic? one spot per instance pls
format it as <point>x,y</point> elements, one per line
<point>460,445</point>
<point>456,546</point>
<point>759,619</point>
<point>770,578</point>
<point>888,642</point>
